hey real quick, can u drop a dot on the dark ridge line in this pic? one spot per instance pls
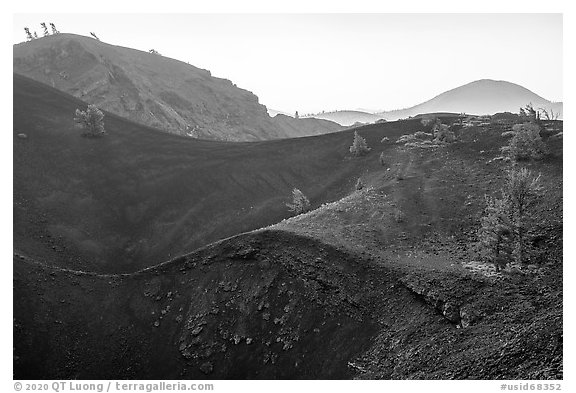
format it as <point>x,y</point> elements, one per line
<point>32,261</point>
<point>178,259</point>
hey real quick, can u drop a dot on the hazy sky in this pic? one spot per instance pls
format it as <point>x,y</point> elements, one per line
<point>314,62</point>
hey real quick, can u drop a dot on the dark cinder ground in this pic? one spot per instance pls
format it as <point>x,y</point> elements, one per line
<point>376,283</point>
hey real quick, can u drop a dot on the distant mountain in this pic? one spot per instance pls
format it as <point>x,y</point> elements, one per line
<point>348,118</point>
<point>153,90</point>
<point>274,112</point>
<point>482,97</point>
<point>307,126</point>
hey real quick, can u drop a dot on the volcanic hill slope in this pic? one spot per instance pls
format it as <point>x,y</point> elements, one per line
<point>138,196</point>
<point>154,90</point>
<point>375,283</point>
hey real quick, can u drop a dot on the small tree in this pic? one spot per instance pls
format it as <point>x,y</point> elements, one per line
<point>45,29</point>
<point>359,146</point>
<point>300,204</point>
<point>91,120</point>
<point>494,235</point>
<point>296,115</point>
<point>521,190</point>
<point>506,220</point>
<point>29,36</point>
<point>35,35</point>
<point>550,114</point>
<point>529,114</point>
<point>54,29</point>
<point>526,143</point>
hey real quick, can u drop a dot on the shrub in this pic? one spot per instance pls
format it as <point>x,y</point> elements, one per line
<point>428,121</point>
<point>442,133</point>
<point>526,143</point>
<point>422,135</point>
<point>359,184</point>
<point>91,121</point>
<point>300,204</point>
<point>359,146</point>
<point>406,138</point>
